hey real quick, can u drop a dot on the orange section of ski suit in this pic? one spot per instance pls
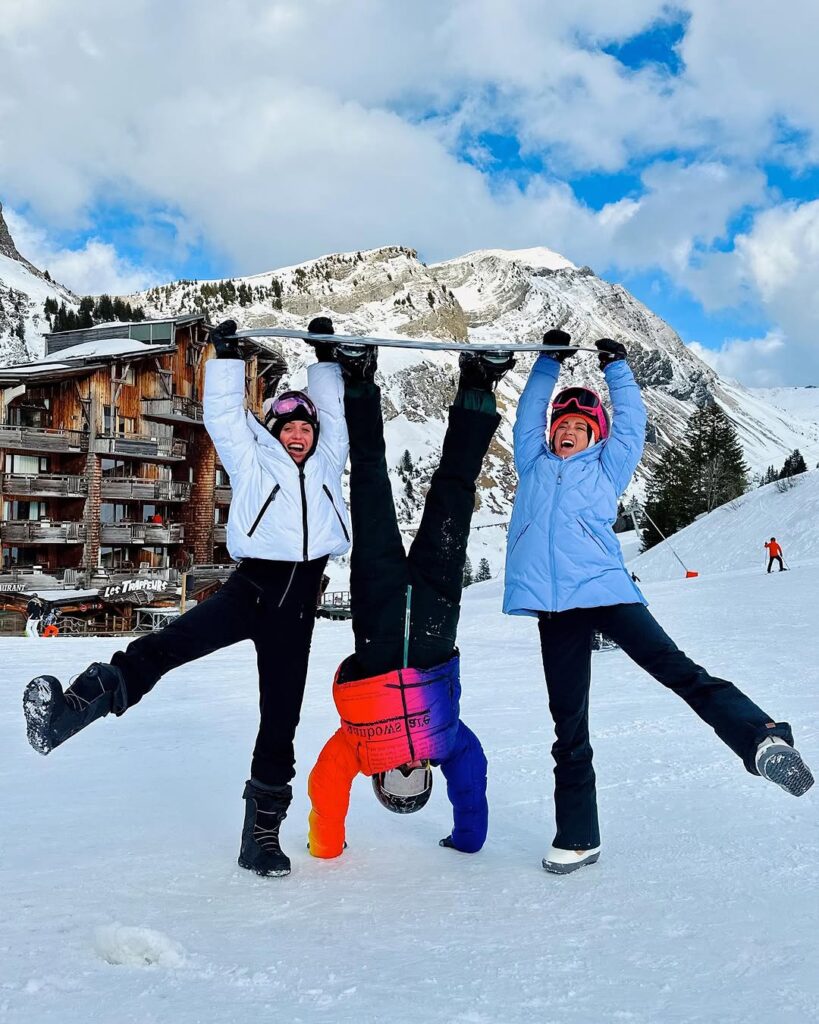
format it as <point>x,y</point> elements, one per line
<point>774,550</point>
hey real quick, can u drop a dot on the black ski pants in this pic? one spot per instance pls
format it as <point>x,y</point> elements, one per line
<point>274,605</point>
<point>566,639</point>
<point>775,558</point>
<point>380,570</point>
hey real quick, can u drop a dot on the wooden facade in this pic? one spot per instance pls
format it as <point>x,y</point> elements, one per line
<point>104,458</point>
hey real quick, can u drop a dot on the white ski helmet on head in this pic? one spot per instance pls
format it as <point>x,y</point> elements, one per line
<point>405,789</point>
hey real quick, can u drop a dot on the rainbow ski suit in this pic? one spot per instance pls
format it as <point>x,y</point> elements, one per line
<point>388,720</point>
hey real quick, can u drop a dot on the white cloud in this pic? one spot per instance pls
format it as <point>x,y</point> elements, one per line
<point>274,132</point>
<point>94,268</point>
<point>757,362</point>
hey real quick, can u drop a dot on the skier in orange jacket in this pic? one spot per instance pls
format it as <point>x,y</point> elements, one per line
<point>774,553</point>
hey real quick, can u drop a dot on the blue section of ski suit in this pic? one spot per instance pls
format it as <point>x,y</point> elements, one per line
<point>465,774</point>
<point>562,552</point>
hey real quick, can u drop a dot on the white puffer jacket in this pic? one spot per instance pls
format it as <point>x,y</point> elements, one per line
<point>280,511</point>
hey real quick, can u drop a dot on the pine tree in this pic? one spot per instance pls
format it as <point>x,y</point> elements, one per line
<point>668,497</point>
<point>715,462</point>
<point>405,465</point>
<point>706,471</point>
<point>85,314</point>
<point>769,476</point>
<point>468,577</point>
<point>484,572</point>
<point>104,311</point>
<point>794,464</point>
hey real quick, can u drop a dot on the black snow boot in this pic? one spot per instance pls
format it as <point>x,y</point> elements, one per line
<point>53,716</point>
<point>358,362</point>
<point>481,371</point>
<point>265,810</point>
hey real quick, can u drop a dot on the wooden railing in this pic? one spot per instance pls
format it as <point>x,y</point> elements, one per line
<point>150,449</point>
<point>220,534</point>
<point>142,489</point>
<point>223,493</point>
<point>45,532</point>
<point>44,485</point>
<point>142,533</point>
<point>42,439</point>
<point>177,408</point>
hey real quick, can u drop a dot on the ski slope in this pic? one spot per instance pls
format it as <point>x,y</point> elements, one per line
<point>122,902</point>
<point>733,536</point>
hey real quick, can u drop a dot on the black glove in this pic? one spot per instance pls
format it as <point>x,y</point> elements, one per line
<point>610,351</point>
<point>227,347</point>
<point>555,337</point>
<point>325,352</point>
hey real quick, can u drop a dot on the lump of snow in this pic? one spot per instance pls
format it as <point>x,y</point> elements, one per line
<point>137,947</point>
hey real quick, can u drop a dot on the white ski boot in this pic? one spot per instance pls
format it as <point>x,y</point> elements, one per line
<point>563,862</point>
<point>777,761</point>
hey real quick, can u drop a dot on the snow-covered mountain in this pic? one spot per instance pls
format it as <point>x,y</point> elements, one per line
<point>23,292</point>
<point>491,294</point>
<point>487,295</point>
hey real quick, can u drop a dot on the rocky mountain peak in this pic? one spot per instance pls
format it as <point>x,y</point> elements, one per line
<point>7,246</point>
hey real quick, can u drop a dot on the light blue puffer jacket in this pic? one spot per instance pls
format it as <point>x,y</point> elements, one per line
<point>562,552</point>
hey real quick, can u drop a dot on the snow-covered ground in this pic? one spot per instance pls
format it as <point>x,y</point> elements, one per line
<point>122,901</point>
<point>733,536</point>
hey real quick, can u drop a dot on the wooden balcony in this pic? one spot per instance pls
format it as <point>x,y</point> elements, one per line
<point>156,534</point>
<point>44,485</point>
<point>141,489</point>
<point>143,448</point>
<point>42,439</point>
<point>223,494</point>
<point>175,409</point>
<point>220,534</point>
<point>24,532</point>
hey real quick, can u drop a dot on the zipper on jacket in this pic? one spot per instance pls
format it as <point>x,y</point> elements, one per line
<point>303,511</point>
<point>289,582</point>
<point>552,537</point>
<point>338,514</point>
<point>590,533</point>
<point>406,715</point>
<point>519,537</point>
<point>263,509</point>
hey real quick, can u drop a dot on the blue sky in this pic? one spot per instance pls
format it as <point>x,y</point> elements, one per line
<point>671,147</point>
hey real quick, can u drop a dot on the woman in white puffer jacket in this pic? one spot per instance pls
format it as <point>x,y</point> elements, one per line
<point>286,517</point>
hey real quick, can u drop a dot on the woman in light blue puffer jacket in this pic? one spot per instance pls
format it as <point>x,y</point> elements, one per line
<point>564,566</point>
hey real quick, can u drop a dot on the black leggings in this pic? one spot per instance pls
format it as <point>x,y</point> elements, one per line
<point>274,605</point>
<point>566,639</point>
<point>380,570</point>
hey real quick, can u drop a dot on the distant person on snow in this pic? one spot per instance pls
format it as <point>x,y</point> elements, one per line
<point>287,515</point>
<point>774,554</point>
<point>34,615</point>
<point>564,566</point>
<point>398,695</point>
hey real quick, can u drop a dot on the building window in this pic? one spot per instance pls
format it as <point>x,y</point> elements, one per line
<point>26,464</point>
<point>155,333</point>
<point>125,373</point>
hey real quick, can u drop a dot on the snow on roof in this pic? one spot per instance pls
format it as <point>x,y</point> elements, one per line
<point>65,595</point>
<point>101,347</point>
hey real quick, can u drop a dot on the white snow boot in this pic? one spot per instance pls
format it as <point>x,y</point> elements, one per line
<point>777,761</point>
<point>563,862</point>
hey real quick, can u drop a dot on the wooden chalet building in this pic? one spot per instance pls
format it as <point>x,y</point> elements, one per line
<point>105,460</point>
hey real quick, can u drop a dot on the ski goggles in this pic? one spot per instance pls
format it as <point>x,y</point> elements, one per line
<point>407,782</point>
<point>286,404</point>
<point>583,402</point>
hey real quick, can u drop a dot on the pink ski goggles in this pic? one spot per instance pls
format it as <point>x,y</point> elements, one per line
<point>286,404</point>
<point>581,402</point>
